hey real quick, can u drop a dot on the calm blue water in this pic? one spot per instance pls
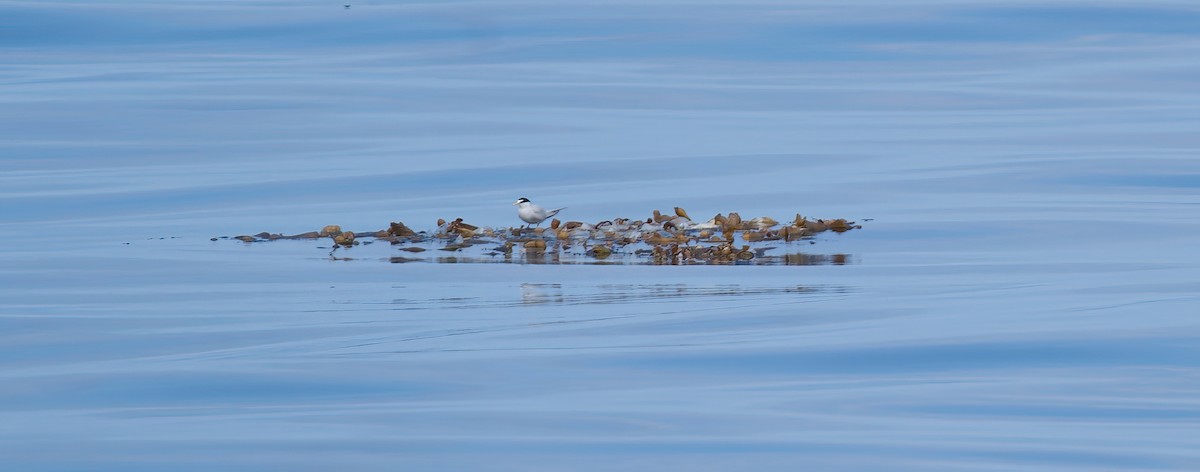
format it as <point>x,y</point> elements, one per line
<point>1024,296</point>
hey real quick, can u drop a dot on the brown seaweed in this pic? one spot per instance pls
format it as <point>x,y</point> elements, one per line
<point>661,238</point>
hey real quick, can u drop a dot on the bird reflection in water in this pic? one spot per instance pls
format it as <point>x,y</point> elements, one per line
<point>532,294</point>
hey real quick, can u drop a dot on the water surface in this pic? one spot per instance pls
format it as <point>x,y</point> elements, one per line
<point>1023,297</point>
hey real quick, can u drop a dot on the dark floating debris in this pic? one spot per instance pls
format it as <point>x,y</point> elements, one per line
<point>661,239</point>
<point>398,230</point>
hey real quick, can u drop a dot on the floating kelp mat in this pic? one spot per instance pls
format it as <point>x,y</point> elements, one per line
<point>660,239</point>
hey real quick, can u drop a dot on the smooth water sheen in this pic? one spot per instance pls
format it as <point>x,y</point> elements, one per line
<point>1024,296</point>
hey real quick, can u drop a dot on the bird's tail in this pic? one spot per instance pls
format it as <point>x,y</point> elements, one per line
<point>555,211</point>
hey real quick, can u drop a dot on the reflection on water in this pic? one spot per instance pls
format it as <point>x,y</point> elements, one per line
<point>633,257</point>
<point>575,294</point>
<point>541,293</point>
<point>533,293</point>
<point>801,258</point>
